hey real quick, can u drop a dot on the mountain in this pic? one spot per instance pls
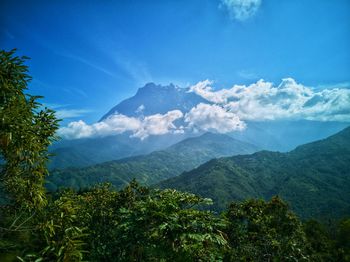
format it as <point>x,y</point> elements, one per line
<point>90,151</point>
<point>314,178</point>
<point>156,99</point>
<point>277,135</point>
<point>154,167</point>
<point>150,99</point>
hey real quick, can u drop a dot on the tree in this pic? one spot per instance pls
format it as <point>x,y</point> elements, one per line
<point>142,224</point>
<point>265,231</point>
<point>26,131</point>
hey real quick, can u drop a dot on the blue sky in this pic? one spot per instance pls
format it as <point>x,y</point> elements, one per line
<point>89,55</point>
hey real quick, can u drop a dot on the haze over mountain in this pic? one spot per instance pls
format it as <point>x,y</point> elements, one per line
<point>286,135</point>
<point>314,178</point>
<point>154,167</point>
<point>159,116</point>
<point>89,151</point>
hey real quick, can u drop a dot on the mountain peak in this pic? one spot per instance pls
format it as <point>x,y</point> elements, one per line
<point>156,99</point>
<point>152,85</point>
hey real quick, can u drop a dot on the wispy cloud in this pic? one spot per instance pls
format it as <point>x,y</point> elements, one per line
<point>241,9</point>
<point>86,62</point>
<point>131,67</point>
<point>246,74</point>
<point>8,34</point>
<point>76,91</point>
<point>63,52</point>
<point>71,113</point>
<point>334,85</point>
<point>63,112</point>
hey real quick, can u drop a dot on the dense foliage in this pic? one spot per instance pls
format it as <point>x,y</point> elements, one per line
<point>142,224</point>
<point>26,132</point>
<point>135,223</point>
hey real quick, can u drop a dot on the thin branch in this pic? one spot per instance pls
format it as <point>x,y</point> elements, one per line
<point>17,230</point>
<point>25,221</point>
<point>14,222</point>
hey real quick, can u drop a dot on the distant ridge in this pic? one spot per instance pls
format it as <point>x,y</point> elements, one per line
<point>314,178</point>
<point>154,167</point>
<point>89,151</point>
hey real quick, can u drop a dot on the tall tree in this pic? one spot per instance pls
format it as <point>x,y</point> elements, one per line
<point>26,131</point>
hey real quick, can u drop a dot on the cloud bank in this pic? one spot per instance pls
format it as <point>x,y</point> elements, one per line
<point>227,110</point>
<point>241,9</point>
<point>157,124</point>
<point>288,100</point>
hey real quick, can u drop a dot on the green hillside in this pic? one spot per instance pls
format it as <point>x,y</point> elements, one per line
<point>154,167</point>
<point>90,151</point>
<point>314,178</point>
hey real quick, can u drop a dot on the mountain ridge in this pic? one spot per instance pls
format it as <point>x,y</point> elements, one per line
<point>156,166</point>
<point>302,176</point>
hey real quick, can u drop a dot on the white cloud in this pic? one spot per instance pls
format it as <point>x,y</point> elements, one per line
<point>116,124</point>
<point>204,89</point>
<point>289,100</point>
<point>158,124</point>
<point>227,110</point>
<point>214,118</point>
<point>241,9</point>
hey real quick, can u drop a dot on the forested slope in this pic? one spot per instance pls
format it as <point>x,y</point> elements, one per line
<point>154,167</point>
<point>314,178</point>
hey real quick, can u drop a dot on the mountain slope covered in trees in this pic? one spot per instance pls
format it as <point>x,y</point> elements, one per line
<point>314,178</point>
<point>90,151</point>
<point>154,167</point>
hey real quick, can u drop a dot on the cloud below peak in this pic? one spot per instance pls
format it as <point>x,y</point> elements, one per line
<point>157,124</point>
